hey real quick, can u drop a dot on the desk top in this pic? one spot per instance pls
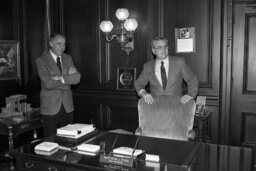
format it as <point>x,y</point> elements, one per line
<point>19,119</point>
<point>174,155</point>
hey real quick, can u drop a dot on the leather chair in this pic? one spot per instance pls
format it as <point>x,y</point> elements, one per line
<point>166,118</point>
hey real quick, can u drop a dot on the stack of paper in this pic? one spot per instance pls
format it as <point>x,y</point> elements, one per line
<point>127,151</point>
<point>88,149</point>
<point>75,130</point>
<point>46,148</point>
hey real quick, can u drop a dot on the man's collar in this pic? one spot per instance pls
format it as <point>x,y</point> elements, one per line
<point>165,60</point>
<point>53,55</point>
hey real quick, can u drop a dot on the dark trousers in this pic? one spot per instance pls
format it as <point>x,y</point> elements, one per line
<point>52,122</point>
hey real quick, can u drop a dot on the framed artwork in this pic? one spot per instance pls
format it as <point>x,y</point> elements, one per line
<point>200,104</point>
<point>185,40</point>
<point>125,78</point>
<point>9,60</point>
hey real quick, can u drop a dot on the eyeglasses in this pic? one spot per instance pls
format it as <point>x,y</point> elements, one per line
<point>161,47</point>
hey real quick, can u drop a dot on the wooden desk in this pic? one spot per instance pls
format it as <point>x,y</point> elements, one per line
<point>30,121</point>
<point>174,155</point>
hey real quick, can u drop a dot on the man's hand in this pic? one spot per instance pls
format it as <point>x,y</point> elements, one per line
<point>56,78</point>
<point>148,98</point>
<point>184,99</point>
<point>72,70</point>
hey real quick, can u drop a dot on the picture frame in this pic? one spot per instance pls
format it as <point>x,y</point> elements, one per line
<point>9,60</point>
<point>125,78</point>
<point>200,105</point>
<point>185,40</point>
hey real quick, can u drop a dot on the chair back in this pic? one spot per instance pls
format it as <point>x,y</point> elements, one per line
<point>166,118</point>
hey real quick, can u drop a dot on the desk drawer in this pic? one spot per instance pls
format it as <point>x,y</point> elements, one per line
<point>29,165</point>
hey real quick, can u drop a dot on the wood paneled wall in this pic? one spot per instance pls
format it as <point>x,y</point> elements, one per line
<point>96,98</point>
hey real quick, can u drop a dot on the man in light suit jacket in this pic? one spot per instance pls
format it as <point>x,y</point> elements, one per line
<point>57,73</point>
<point>174,70</point>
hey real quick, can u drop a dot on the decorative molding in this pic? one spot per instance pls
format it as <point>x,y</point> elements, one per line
<point>243,131</point>
<point>249,14</point>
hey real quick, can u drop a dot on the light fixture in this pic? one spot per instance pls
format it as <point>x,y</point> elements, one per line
<point>125,35</point>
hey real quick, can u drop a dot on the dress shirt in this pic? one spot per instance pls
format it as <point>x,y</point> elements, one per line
<point>158,69</point>
<point>158,72</point>
<point>55,57</point>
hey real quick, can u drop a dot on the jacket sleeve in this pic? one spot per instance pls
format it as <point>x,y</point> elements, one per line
<point>45,77</point>
<point>72,78</point>
<point>141,81</point>
<point>190,78</point>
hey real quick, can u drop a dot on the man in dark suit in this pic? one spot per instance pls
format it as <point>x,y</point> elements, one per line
<point>57,72</point>
<point>165,75</point>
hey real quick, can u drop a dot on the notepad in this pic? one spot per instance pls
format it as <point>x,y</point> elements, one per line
<point>46,153</point>
<point>92,148</point>
<point>127,151</point>
<point>152,157</point>
<point>46,146</point>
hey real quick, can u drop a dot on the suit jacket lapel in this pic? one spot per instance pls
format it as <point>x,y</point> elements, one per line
<point>171,67</point>
<point>64,64</point>
<point>52,63</point>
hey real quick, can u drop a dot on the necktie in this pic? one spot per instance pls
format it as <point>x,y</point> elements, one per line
<point>58,63</point>
<point>163,75</point>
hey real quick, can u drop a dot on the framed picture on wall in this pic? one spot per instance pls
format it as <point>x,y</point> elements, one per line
<point>185,40</point>
<point>125,78</point>
<point>9,60</point>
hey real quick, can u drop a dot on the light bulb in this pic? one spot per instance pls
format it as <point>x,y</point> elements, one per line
<point>106,26</point>
<point>122,13</point>
<point>130,24</point>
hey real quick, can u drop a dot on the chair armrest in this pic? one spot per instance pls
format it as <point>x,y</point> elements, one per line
<point>138,131</point>
<point>191,135</point>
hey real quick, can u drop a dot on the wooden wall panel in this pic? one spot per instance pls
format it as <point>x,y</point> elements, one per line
<point>9,31</point>
<point>35,14</point>
<point>81,27</point>
<point>250,50</point>
<point>122,115</point>
<point>248,128</point>
<point>178,14</point>
<point>88,110</point>
<point>7,20</point>
<point>116,57</point>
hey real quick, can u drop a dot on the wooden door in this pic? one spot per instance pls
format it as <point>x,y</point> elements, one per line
<point>243,92</point>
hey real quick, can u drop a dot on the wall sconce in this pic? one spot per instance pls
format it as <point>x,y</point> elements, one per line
<point>125,35</point>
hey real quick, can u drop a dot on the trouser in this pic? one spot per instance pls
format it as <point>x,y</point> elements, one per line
<point>52,122</point>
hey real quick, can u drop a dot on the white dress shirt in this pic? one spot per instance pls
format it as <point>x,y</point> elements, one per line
<point>55,57</point>
<point>158,72</point>
<point>158,69</point>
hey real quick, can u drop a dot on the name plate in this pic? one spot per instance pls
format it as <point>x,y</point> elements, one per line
<point>117,160</point>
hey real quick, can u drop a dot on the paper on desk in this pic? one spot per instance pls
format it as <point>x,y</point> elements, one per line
<point>92,148</point>
<point>75,129</point>
<point>127,151</point>
<point>46,146</point>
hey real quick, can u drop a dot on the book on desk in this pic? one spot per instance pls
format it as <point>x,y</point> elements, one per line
<point>74,134</point>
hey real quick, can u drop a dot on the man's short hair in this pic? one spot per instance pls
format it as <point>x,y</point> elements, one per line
<point>158,38</point>
<point>54,35</point>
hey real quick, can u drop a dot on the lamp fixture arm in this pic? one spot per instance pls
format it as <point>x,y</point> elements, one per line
<point>110,38</point>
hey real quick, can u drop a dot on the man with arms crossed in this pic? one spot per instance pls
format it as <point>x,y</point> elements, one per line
<point>57,73</point>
